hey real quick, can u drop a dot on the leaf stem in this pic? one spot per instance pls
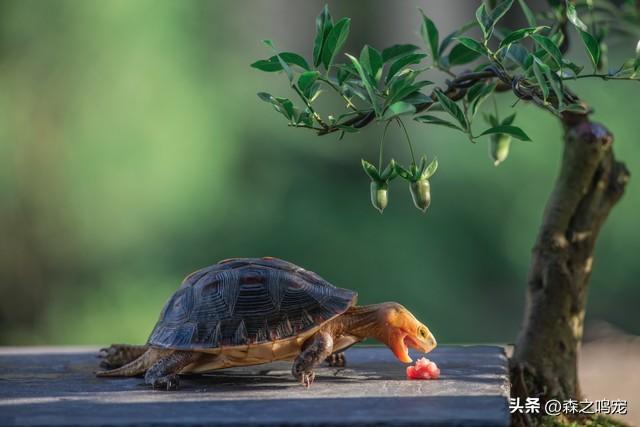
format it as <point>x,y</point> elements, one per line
<point>444,70</point>
<point>384,133</point>
<point>401,124</point>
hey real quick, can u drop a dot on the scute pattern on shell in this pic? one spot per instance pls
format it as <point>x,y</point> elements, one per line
<point>247,301</point>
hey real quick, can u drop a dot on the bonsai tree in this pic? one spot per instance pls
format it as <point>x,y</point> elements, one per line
<point>526,64</point>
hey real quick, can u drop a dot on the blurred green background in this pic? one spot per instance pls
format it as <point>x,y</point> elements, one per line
<point>133,150</point>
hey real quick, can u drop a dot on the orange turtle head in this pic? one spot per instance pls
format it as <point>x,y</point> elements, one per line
<point>399,330</point>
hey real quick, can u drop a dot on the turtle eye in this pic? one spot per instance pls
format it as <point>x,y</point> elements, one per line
<point>422,332</point>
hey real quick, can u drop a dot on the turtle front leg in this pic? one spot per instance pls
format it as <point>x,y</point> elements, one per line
<point>164,373</point>
<point>117,355</point>
<point>315,351</point>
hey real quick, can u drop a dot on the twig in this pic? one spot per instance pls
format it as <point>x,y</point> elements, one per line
<point>308,104</point>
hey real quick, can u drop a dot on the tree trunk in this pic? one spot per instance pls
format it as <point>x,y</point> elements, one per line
<point>590,182</point>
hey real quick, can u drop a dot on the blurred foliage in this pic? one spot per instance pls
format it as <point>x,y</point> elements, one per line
<point>133,151</point>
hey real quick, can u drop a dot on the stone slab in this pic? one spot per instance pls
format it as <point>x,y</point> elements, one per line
<point>55,386</point>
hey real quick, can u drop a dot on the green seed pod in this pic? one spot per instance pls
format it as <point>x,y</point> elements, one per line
<point>379,195</point>
<point>421,194</point>
<point>499,148</point>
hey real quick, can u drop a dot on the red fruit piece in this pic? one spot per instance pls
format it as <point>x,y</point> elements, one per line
<point>424,369</point>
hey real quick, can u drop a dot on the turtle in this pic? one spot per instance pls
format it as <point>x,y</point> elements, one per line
<point>250,311</point>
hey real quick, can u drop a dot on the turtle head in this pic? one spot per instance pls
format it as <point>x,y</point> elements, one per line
<point>399,330</point>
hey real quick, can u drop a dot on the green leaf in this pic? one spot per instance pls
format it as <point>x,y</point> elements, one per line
<point>398,109</point>
<point>417,98</point>
<point>283,106</point>
<point>345,71</point>
<point>452,108</point>
<point>389,172</point>
<point>499,11</point>
<point>460,54</point>
<point>472,44</point>
<point>474,91</point>
<point>519,35</point>
<point>429,33</point>
<point>400,89</point>
<point>306,81</point>
<point>549,46</point>
<point>430,170</point>
<point>488,20</point>
<point>481,97</point>
<point>287,107</point>
<point>423,163</point>
<point>508,120</point>
<point>355,88</point>
<point>572,15</point>
<point>593,47</point>
<point>335,40</point>
<point>398,50</point>
<point>266,97</point>
<point>514,131</point>
<point>491,119</point>
<point>282,62</point>
<point>556,86</point>
<point>451,36</point>
<point>305,118</point>
<point>402,62</point>
<point>399,82</point>
<point>483,20</point>
<point>403,173</point>
<point>528,14</point>
<point>273,64</point>
<point>371,61</point>
<point>517,54</point>
<point>433,120</point>
<point>324,23</point>
<point>557,38</point>
<point>370,170</point>
<point>367,84</point>
<point>539,71</point>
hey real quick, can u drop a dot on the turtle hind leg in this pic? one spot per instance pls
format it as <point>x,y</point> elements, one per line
<point>164,372</point>
<point>315,351</point>
<point>337,360</point>
<point>135,367</point>
<point>117,355</point>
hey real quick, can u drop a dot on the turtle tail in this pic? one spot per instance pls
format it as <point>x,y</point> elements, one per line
<point>135,367</point>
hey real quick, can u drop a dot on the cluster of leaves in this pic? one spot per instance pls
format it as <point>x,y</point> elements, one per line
<point>385,85</point>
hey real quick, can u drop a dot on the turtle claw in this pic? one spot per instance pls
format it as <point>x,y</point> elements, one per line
<point>111,356</point>
<point>168,382</point>
<point>306,378</point>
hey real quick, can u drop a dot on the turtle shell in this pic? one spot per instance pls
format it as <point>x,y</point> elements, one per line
<point>245,301</point>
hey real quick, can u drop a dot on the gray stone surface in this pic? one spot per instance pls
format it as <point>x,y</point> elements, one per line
<point>55,386</point>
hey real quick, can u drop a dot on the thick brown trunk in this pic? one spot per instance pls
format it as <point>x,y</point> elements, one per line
<point>590,182</point>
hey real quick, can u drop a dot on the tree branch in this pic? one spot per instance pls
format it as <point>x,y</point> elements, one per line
<point>457,88</point>
<point>586,145</point>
